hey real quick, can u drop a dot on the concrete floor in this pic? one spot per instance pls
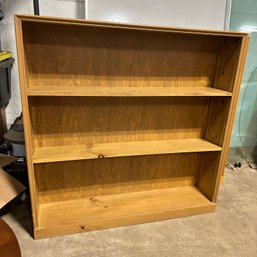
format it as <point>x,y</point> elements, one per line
<point>231,231</point>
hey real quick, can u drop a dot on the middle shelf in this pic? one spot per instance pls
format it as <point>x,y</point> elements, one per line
<point>120,149</point>
<point>125,91</point>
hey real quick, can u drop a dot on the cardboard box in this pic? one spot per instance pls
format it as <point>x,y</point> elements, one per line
<point>9,186</point>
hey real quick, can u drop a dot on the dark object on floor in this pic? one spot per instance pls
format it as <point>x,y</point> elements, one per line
<point>14,137</point>
<point>15,145</point>
<point>9,246</point>
<point>238,164</point>
<point>18,170</point>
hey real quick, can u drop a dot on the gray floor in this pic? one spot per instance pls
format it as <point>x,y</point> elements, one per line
<point>230,231</point>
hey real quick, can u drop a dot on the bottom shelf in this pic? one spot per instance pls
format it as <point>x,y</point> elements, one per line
<point>66,217</point>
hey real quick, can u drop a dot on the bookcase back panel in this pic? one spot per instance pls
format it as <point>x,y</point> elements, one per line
<point>77,120</point>
<point>60,55</point>
<point>84,179</point>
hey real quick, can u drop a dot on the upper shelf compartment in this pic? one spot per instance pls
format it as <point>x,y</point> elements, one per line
<point>126,91</point>
<point>60,56</point>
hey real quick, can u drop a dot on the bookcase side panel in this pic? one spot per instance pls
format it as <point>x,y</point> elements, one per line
<point>221,120</point>
<point>228,57</point>
<point>24,78</point>
<point>232,110</point>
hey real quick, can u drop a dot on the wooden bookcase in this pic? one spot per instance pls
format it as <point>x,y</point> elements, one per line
<point>124,124</point>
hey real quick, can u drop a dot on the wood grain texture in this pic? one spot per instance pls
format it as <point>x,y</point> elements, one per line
<point>85,56</point>
<point>125,91</point>
<point>79,179</point>
<point>207,173</point>
<point>23,76</point>
<point>76,120</point>
<point>108,150</point>
<point>113,210</point>
<point>231,115</point>
<point>105,24</point>
<point>218,115</point>
<point>95,89</point>
<point>215,132</point>
<point>227,63</point>
<point>9,244</point>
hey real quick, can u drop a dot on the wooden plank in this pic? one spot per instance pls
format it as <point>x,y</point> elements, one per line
<point>125,91</point>
<point>231,115</point>
<point>23,76</point>
<point>106,24</point>
<point>64,217</point>
<point>219,116</point>
<point>207,174</point>
<point>227,63</point>
<point>107,150</point>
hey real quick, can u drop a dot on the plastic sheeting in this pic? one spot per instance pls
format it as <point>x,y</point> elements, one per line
<point>244,136</point>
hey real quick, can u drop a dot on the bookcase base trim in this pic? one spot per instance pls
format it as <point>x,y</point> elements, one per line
<point>124,210</point>
<point>41,233</point>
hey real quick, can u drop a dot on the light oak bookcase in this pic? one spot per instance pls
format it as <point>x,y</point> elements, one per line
<point>124,124</point>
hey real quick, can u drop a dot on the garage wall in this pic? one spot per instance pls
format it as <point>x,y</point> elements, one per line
<point>184,13</point>
<point>66,8</point>
<point>208,14</point>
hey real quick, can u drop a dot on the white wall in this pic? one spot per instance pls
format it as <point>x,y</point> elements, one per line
<point>208,14</point>
<point>66,8</point>
<point>8,43</point>
<point>184,13</point>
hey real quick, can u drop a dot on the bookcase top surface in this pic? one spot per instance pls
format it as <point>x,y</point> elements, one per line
<point>95,23</point>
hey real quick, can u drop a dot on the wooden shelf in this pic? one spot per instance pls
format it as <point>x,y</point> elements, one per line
<point>161,90</point>
<point>112,210</point>
<point>125,91</point>
<point>106,150</point>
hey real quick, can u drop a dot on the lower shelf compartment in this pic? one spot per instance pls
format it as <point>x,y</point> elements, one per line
<point>74,216</point>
